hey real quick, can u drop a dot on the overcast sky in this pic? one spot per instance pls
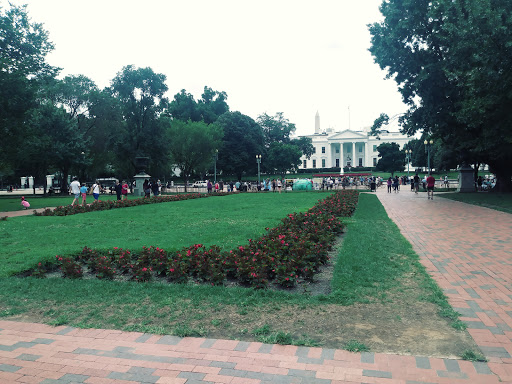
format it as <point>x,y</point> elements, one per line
<point>292,56</point>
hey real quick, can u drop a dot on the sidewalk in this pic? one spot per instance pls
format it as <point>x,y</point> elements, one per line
<point>465,248</point>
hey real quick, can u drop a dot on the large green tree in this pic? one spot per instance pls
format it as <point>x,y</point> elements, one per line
<point>141,93</point>
<point>192,145</point>
<point>243,140</point>
<point>52,142</point>
<point>23,72</point>
<point>392,159</point>
<point>451,62</point>
<point>277,129</point>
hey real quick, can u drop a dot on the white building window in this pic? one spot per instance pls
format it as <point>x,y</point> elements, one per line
<point>360,149</point>
<point>323,163</point>
<point>323,149</point>
<point>305,163</point>
<point>314,163</point>
<point>374,161</point>
<point>374,148</point>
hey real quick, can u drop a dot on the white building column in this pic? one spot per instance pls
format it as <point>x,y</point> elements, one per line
<point>367,157</point>
<point>353,162</point>
<point>341,155</point>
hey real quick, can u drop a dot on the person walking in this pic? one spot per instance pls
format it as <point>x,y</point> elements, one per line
<point>124,190</point>
<point>431,182</point>
<point>416,183</point>
<point>83,191</point>
<point>119,189</point>
<point>75,190</point>
<point>96,189</point>
<point>389,182</point>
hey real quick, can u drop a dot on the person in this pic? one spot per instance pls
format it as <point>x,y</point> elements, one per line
<point>279,185</point>
<point>416,183</point>
<point>147,188</point>
<point>446,182</point>
<point>209,186</point>
<point>83,191</point>
<point>155,187</point>
<point>431,182</point>
<point>396,184</point>
<point>118,189</point>
<point>96,188</point>
<point>389,183</point>
<point>75,190</point>
<point>124,190</point>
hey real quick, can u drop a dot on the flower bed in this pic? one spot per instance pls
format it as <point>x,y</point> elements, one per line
<point>293,250</point>
<point>111,204</point>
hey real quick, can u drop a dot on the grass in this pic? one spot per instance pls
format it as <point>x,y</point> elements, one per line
<point>497,201</point>
<point>224,221</point>
<point>13,202</point>
<point>371,263</point>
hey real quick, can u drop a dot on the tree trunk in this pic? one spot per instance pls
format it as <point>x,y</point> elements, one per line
<point>64,182</point>
<point>503,179</point>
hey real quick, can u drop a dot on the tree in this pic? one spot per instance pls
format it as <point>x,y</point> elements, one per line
<point>391,158</point>
<point>243,140</point>
<point>53,142</point>
<point>305,145</point>
<point>184,107</point>
<point>208,109</point>
<point>141,93</point>
<point>23,71</point>
<point>451,60</point>
<point>282,157</point>
<point>192,145</point>
<point>212,105</point>
<point>277,129</point>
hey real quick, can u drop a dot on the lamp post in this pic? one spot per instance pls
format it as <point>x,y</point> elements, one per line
<point>215,158</point>
<point>258,160</point>
<point>408,153</point>
<point>428,146</point>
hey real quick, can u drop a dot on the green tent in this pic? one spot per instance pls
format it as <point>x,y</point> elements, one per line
<point>302,185</point>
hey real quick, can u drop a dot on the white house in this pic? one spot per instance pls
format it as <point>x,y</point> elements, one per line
<point>348,148</point>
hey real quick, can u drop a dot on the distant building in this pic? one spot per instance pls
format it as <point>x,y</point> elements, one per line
<point>348,148</point>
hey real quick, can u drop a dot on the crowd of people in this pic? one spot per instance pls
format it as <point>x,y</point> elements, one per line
<point>80,191</point>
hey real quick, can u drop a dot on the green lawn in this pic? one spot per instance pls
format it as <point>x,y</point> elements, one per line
<point>224,221</point>
<point>499,202</point>
<point>374,263</point>
<point>13,203</point>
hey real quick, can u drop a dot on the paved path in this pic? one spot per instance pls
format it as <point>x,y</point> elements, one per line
<point>465,248</point>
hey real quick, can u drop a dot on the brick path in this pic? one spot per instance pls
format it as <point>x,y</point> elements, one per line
<point>465,248</point>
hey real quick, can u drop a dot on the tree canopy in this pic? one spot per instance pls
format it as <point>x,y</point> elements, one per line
<point>451,62</point>
<point>243,140</point>
<point>392,159</point>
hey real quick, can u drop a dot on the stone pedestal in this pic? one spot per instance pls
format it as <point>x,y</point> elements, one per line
<point>466,179</point>
<point>139,182</point>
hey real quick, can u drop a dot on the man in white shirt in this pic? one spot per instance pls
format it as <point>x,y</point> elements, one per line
<point>75,190</point>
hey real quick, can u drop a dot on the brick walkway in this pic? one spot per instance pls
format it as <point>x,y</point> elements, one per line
<point>465,248</point>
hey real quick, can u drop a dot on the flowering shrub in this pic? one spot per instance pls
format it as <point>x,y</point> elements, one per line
<point>112,204</point>
<point>39,271</point>
<point>293,250</point>
<point>69,267</point>
<point>105,268</point>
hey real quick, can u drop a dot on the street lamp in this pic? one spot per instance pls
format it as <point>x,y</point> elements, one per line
<point>428,146</point>
<point>215,158</point>
<point>408,153</point>
<point>258,160</point>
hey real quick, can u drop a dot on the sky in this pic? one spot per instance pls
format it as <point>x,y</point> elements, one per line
<point>292,56</point>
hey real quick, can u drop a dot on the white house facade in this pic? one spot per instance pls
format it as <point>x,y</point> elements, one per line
<point>348,148</point>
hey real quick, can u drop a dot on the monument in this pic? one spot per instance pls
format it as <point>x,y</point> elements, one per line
<point>141,163</point>
<point>466,179</point>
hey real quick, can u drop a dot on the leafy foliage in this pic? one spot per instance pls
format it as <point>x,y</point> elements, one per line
<point>450,60</point>
<point>293,250</point>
